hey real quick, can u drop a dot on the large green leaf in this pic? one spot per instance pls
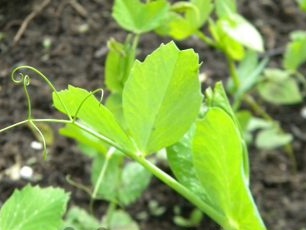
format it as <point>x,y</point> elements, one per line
<point>295,54</point>
<point>82,104</point>
<point>138,17</point>
<point>34,208</point>
<point>181,163</point>
<point>217,98</point>
<point>134,180</point>
<point>157,94</point>
<point>218,161</point>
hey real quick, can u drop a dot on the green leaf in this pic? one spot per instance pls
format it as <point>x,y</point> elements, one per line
<point>108,189</point>
<point>181,163</point>
<point>157,94</point>
<point>272,138</point>
<point>121,220</point>
<point>78,218</point>
<point>239,29</point>
<point>114,104</point>
<point>279,88</point>
<point>218,161</point>
<point>217,98</point>
<point>249,72</point>
<point>72,131</point>
<point>34,208</point>
<point>302,4</point>
<point>225,7</point>
<point>138,17</point>
<point>119,61</point>
<point>134,180</point>
<point>295,54</point>
<point>91,113</point>
<point>186,18</point>
<point>225,43</point>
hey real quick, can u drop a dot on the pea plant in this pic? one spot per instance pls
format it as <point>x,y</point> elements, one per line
<point>237,39</point>
<point>162,108</point>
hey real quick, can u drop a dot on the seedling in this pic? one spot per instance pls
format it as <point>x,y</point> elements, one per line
<point>161,102</point>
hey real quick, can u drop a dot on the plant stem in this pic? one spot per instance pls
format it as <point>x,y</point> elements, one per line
<point>205,39</point>
<point>233,72</point>
<point>182,190</point>
<point>103,170</point>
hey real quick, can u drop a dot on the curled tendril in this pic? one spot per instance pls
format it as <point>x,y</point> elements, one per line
<point>25,79</point>
<point>20,78</point>
<point>85,99</point>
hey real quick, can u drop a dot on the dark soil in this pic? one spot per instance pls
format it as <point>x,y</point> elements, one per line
<point>76,56</point>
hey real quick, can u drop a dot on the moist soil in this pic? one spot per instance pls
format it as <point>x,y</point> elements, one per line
<point>67,42</point>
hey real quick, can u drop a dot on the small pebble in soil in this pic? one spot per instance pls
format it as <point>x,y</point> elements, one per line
<point>303,112</point>
<point>26,172</point>
<point>36,145</point>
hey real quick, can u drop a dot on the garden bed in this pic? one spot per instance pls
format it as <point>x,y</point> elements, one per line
<point>67,42</point>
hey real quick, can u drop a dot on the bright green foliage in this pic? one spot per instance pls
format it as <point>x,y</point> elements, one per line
<point>34,208</point>
<point>225,7</point>
<point>119,61</point>
<point>186,18</point>
<point>218,98</point>
<point>295,54</point>
<point>90,111</point>
<point>138,17</point>
<point>157,94</point>
<point>279,87</point>
<point>134,180</point>
<point>218,161</point>
<point>224,42</point>
<point>239,29</point>
<point>78,218</point>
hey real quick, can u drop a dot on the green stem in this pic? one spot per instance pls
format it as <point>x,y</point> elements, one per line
<point>164,177</point>
<point>233,72</point>
<point>102,172</point>
<point>182,190</point>
<point>205,39</point>
<point>257,108</point>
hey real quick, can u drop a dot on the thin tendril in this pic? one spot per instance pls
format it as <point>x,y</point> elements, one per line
<point>26,82</point>
<point>22,79</point>
<point>42,138</point>
<point>85,99</point>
